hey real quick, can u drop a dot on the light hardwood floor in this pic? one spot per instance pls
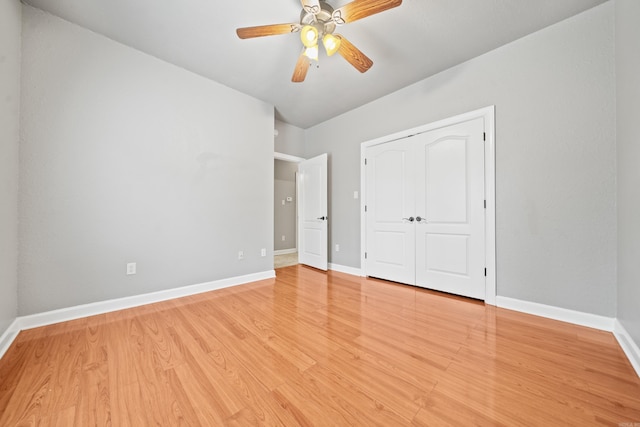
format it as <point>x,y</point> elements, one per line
<point>312,348</point>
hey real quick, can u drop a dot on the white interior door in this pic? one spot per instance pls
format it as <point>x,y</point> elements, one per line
<point>390,175</point>
<point>312,212</point>
<point>450,231</point>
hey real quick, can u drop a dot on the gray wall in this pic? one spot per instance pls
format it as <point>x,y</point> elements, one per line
<point>554,93</point>
<point>125,158</point>
<point>284,214</point>
<point>628,136</point>
<point>290,139</point>
<point>10,27</point>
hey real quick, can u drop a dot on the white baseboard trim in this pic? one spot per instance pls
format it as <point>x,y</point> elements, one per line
<point>71,313</point>
<point>629,347</point>
<point>344,269</point>
<point>564,315</point>
<point>6,339</point>
<point>85,310</point>
<point>285,251</point>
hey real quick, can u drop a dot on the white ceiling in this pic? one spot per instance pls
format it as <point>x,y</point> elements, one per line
<point>407,44</point>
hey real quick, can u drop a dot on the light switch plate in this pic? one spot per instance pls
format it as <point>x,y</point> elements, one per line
<point>131,268</point>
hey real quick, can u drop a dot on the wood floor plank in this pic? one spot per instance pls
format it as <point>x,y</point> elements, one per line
<point>13,368</point>
<point>442,410</point>
<point>254,324</point>
<point>63,418</point>
<point>205,398</point>
<point>132,407</point>
<point>241,389</point>
<point>312,348</point>
<point>344,393</point>
<point>315,407</point>
<point>94,403</point>
<point>65,381</point>
<point>398,394</point>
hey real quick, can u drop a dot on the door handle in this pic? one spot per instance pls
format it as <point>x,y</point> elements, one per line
<point>323,218</point>
<point>420,219</point>
<point>410,219</point>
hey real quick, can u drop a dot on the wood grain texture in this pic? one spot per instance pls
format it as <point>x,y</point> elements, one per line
<point>353,55</point>
<point>267,30</point>
<point>313,349</point>
<point>359,9</point>
<point>301,69</point>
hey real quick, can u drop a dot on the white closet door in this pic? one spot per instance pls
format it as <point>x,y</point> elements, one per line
<point>390,199</point>
<point>312,212</point>
<point>450,236</point>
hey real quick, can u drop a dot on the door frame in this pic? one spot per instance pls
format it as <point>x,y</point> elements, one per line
<point>488,114</point>
<point>291,159</point>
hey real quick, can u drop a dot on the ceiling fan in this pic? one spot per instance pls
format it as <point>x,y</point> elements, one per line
<point>318,21</point>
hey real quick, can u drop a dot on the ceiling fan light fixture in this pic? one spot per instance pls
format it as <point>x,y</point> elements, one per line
<point>311,52</point>
<point>331,43</point>
<point>309,36</point>
<point>318,21</point>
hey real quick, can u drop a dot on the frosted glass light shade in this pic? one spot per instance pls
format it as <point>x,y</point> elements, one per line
<point>309,35</point>
<point>331,43</point>
<point>311,52</point>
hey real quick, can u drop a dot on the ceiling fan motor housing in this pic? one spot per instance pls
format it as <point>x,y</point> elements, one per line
<point>321,20</point>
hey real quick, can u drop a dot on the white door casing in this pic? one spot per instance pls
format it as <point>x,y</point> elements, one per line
<point>291,159</point>
<point>312,212</point>
<point>453,217</point>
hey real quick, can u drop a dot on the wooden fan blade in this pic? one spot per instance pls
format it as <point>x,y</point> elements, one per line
<point>267,30</point>
<point>359,9</point>
<point>353,55</point>
<point>302,66</point>
<point>311,6</point>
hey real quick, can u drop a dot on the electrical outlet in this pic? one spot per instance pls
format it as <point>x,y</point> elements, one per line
<point>337,247</point>
<point>355,195</point>
<point>240,254</point>
<point>283,238</point>
<point>131,268</point>
<point>263,252</point>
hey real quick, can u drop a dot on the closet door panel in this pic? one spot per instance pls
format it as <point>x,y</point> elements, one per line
<point>445,180</point>
<point>450,204</point>
<point>390,199</point>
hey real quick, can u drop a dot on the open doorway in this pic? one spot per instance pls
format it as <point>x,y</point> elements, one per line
<point>285,237</point>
